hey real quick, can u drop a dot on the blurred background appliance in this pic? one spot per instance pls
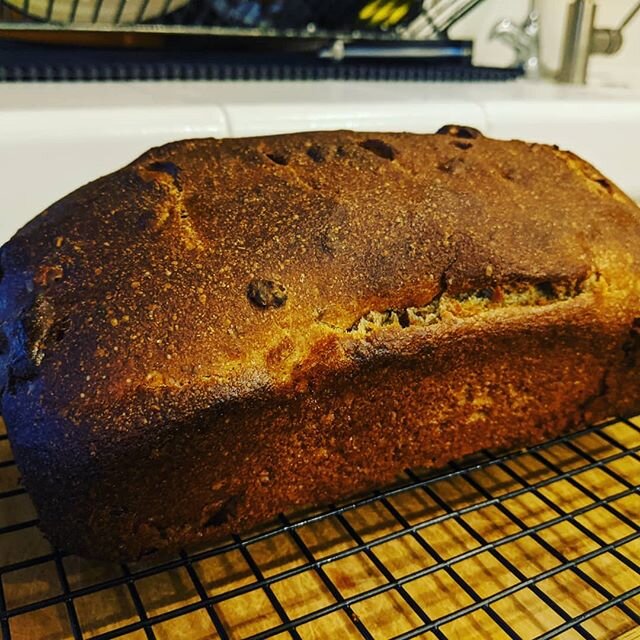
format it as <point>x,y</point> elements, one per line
<point>238,39</point>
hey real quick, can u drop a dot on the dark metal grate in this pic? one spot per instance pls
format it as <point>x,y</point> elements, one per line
<point>29,65</point>
<point>521,544</point>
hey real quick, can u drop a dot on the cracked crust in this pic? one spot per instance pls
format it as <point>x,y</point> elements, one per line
<point>235,327</point>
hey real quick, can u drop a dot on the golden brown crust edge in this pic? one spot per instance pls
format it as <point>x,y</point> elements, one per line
<point>502,277</point>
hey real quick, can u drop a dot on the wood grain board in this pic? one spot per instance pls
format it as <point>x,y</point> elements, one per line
<point>520,560</point>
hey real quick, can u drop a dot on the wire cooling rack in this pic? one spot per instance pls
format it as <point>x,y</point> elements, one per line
<point>539,543</point>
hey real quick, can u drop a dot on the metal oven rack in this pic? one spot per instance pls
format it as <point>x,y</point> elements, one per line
<point>542,543</point>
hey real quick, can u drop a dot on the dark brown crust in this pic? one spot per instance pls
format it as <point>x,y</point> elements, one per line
<point>228,328</point>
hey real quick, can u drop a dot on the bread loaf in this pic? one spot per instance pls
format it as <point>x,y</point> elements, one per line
<point>226,329</point>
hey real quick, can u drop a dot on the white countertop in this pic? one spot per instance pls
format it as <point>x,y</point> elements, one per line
<point>55,137</point>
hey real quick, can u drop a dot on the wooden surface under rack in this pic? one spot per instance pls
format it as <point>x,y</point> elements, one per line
<point>486,546</point>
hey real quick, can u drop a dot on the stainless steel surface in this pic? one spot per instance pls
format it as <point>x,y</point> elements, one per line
<point>582,39</point>
<point>524,39</point>
<point>575,56</point>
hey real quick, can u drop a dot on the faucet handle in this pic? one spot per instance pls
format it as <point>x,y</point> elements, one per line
<point>524,39</point>
<point>609,41</point>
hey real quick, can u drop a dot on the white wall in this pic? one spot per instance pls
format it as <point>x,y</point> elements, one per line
<point>624,67</point>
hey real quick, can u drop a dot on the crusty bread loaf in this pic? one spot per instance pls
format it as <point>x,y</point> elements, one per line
<point>225,329</point>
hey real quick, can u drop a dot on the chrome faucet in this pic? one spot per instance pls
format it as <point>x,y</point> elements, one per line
<point>582,39</point>
<point>524,38</point>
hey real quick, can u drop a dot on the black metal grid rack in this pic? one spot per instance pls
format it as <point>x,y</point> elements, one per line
<point>541,543</point>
